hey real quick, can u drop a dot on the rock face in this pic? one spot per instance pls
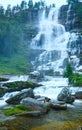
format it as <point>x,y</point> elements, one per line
<point>70,16</point>
<point>65,96</point>
<point>78,95</point>
<point>21,95</point>
<point>34,104</point>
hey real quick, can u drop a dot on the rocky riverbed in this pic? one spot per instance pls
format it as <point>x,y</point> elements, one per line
<point>56,118</point>
<point>71,119</point>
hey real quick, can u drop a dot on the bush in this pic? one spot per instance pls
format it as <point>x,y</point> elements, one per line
<point>76,79</point>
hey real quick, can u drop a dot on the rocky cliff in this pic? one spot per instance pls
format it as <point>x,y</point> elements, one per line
<point>71,17</point>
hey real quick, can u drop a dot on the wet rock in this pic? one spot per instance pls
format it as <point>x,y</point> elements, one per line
<point>65,95</point>
<point>2,79</point>
<point>34,104</point>
<point>78,95</point>
<point>19,85</point>
<point>59,106</point>
<point>30,114</point>
<point>3,90</point>
<point>21,95</point>
<point>35,76</point>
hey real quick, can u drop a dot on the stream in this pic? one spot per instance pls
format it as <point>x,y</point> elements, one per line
<point>72,117</point>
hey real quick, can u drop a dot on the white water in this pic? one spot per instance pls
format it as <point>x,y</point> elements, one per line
<point>5,97</point>
<point>52,39</point>
<point>52,87</point>
<point>54,42</point>
<point>13,78</point>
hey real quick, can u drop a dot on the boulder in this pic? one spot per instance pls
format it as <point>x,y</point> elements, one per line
<point>3,90</point>
<point>35,76</point>
<point>34,104</point>
<point>19,85</point>
<point>21,95</point>
<point>30,114</point>
<point>59,107</point>
<point>78,95</point>
<point>65,95</point>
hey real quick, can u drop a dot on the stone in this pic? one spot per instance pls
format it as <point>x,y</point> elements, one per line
<point>30,114</point>
<point>35,76</point>
<point>65,95</point>
<point>34,104</point>
<point>59,107</point>
<point>21,95</point>
<point>78,95</point>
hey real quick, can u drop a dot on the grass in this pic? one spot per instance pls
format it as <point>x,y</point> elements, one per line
<point>16,110</point>
<point>15,65</point>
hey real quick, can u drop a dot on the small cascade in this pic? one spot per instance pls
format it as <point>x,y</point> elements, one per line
<point>52,39</point>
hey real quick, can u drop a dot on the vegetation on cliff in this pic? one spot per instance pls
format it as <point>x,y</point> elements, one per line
<point>74,78</point>
<point>16,31</point>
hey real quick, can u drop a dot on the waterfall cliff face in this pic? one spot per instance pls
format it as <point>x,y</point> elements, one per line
<point>52,39</point>
<point>55,44</point>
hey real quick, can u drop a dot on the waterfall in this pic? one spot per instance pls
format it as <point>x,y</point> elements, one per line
<point>52,39</point>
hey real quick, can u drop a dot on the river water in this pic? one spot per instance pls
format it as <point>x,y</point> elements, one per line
<point>71,119</point>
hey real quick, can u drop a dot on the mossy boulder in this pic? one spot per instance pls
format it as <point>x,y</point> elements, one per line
<point>16,110</point>
<point>19,85</point>
<point>3,79</point>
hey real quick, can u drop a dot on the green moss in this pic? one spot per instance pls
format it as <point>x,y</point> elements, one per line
<point>3,79</point>
<point>16,110</point>
<point>20,84</point>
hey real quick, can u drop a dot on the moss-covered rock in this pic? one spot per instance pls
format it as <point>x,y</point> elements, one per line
<point>3,79</point>
<point>16,110</point>
<point>19,85</point>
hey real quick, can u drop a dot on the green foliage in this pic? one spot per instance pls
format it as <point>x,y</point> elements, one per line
<point>30,4</point>
<point>15,65</point>
<point>76,79</point>
<point>16,110</point>
<point>68,71</point>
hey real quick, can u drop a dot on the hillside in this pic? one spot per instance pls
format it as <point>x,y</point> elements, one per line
<point>18,25</point>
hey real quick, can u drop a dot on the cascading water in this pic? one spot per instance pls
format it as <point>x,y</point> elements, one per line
<point>55,44</point>
<point>52,39</point>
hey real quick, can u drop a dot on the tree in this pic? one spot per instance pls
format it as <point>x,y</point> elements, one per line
<point>68,72</point>
<point>23,5</point>
<point>1,11</point>
<point>8,11</point>
<point>30,4</point>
